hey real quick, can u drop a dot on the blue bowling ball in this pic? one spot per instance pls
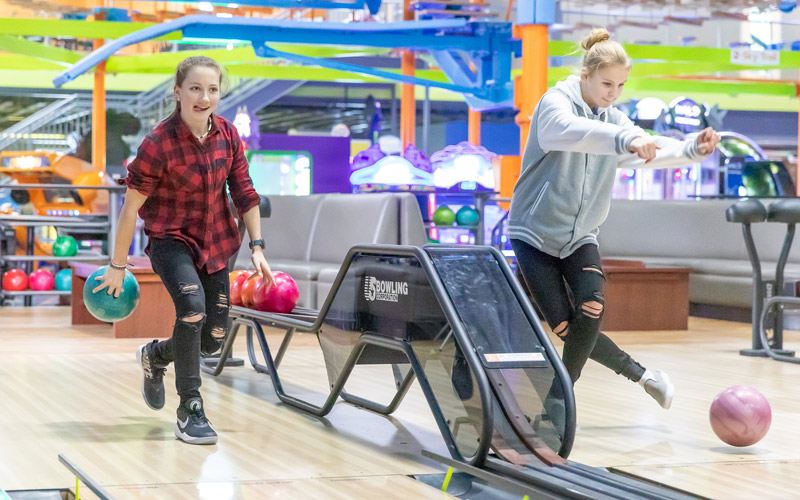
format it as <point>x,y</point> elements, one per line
<point>64,280</point>
<point>104,306</point>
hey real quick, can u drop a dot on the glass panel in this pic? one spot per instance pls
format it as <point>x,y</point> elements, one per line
<point>505,340</point>
<point>390,296</point>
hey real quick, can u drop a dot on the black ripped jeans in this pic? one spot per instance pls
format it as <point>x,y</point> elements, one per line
<point>568,290</point>
<point>194,293</point>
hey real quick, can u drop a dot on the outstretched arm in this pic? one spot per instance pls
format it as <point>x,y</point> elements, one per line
<point>559,129</point>
<point>673,153</point>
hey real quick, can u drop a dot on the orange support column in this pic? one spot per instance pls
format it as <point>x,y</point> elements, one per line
<point>528,89</point>
<point>474,127</point>
<point>99,114</point>
<point>408,101</point>
<point>532,84</point>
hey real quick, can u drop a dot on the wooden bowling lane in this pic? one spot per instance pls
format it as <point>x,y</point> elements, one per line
<point>728,480</point>
<point>76,391</point>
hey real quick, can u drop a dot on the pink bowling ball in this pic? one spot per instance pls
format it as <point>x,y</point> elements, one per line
<point>281,297</point>
<point>740,415</point>
<point>41,280</point>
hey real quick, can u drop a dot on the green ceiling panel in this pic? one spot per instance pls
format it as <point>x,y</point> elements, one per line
<point>22,62</point>
<point>76,29</point>
<point>18,45</point>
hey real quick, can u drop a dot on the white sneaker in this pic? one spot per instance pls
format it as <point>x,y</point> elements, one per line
<point>657,385</point>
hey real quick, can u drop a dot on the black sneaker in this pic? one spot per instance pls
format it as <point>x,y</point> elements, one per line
<point>152,378</point>
<point>193,427</point>
<point>209,345</point>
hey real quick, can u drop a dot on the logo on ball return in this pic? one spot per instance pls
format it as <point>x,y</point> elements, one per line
<point>384,290</point>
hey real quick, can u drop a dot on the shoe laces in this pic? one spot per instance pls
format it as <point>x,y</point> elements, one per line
<point>199,417</point>
<point>152,372</point>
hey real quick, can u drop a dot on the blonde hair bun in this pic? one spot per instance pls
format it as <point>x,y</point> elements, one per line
<point>601,51</point>
<point>596,36</point>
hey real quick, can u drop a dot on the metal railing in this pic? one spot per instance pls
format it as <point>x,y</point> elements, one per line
<point>82,476</point>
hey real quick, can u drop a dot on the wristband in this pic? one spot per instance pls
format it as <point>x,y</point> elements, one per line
<point>114,266</point>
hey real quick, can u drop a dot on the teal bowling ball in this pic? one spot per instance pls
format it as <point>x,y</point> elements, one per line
<point>104,306</point>
<point>443,216</point>
<point>64,280</point>
<point>467,216</point>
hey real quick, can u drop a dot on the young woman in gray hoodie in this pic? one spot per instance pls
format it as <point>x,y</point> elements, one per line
<point>577,143</point>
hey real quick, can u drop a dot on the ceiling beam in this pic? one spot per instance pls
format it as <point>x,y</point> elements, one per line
<point>76,29</point>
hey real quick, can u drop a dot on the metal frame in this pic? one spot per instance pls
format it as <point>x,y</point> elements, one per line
<point>488,46</point>
<point>88,481</point>
<point>292,324</point>
<point>778,354</point>
<point>761,346</point>
<point>372,5</point>
<point>574,481</point>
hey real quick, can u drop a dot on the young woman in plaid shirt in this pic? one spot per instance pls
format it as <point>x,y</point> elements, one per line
<point>177,184</point>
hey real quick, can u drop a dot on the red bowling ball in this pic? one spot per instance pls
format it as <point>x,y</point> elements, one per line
<point>15,280</point>
<point>248,288</point>
<point>280,297</point>
<point>42,280</point>
<point>237,279</point>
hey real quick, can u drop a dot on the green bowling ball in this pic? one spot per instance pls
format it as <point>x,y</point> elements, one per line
<point>443,216</point>
<point>65,246</point>
<point>467,216</point>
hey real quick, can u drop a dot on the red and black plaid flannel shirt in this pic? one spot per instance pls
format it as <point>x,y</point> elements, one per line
<point>184,182</point>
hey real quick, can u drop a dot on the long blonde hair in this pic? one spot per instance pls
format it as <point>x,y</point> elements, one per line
<point>602,51</point>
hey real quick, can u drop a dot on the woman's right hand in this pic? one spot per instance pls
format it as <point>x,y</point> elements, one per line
<point>113,280</point>
<point>644,147</point>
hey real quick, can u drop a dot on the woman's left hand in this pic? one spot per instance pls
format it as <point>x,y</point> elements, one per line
<point>262,268</point>
<point>707,141</point>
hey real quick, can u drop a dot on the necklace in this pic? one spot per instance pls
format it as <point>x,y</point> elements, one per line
<point>207,131</point>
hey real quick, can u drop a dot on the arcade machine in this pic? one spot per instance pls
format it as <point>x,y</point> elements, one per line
<point>373,170</point>
<point>452,187</point>
<point>745,170</point>
<point>739,167</point>
<point>37,167</point>
<point>464,179</point>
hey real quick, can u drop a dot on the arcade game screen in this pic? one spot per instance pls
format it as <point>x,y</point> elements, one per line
<point>757,178</point>
<point>280,172</point>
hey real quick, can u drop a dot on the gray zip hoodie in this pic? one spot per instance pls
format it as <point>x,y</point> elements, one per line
<point>568,169</point>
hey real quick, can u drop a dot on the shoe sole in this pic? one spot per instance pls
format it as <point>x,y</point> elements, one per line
<point>670,392</point>
<point>144,379</point>
<point>193,440</point>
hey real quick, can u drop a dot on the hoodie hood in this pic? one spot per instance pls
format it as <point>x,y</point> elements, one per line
<point>572,88</point>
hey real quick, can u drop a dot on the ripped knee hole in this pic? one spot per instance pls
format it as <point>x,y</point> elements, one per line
<point>594,269</point>
<point>193,318</point>
<point>189,288</point>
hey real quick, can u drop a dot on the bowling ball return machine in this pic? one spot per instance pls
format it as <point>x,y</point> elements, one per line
<point>455,320</point>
